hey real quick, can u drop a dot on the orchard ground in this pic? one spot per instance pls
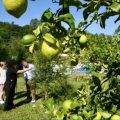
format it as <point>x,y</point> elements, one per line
<point>28,111</point>
<point>24,111</point>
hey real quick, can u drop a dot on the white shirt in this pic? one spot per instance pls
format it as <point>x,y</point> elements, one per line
<point>2,75</point>
<point>30,74</point>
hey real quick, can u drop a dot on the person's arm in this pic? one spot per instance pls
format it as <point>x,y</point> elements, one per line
<point>22,71</point>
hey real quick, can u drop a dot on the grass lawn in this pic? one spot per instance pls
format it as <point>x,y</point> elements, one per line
<point>27,111</point>
<point>24,111</point>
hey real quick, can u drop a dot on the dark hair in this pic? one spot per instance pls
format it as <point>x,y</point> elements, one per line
<point>28,60</point>
<point>11,63</point>
<point>23,60</point>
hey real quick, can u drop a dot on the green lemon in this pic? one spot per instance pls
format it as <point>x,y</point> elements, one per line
<point>28,39</point>
<point>115,117</point>
<point>67,104</point>
<point>83,39</point>
<point>49,50</point>
<point>15,7</point>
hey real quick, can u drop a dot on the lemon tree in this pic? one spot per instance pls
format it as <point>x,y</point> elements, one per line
<point>98,98</point>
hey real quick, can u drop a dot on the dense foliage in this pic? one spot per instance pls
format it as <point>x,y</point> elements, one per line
<point>10,44</point>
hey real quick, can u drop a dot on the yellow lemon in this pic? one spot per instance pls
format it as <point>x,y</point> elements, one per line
<point>15,7</point>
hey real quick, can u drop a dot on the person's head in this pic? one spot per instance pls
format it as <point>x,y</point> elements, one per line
<point>24,63</point>
<point>11,64</point>
<point>2,64</point>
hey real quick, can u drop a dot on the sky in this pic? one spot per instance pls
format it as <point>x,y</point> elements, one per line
<point>36,8</point>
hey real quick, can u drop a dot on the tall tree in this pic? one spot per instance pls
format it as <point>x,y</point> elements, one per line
<point>34,23</point>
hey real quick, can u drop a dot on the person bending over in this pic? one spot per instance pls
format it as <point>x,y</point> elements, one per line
<point>29,76</point>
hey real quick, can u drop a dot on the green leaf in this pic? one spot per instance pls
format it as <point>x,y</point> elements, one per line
<point>49,38</point>
<point>75,117</point>
<point>49,104</point>
<point>96,74</point>
<point>114,108</point>
<point>105,16</point>
<point>105,86</point>
<point>47,16</point>
<point>75,3</point>
<point>117,19</point>
<point>88,114</point>
<point>117,79</point>
<point>98,5</point>
<point>46,24</point>
<point>63,2</point>
<point>90,8</point>
<point>63,11</point>
<point>115,7</point>
<point>96,79</point>
<point>81,24</point>
<point>86,13</point>
<point>98,116</point>
<point>60,117</point>
<point>96,99</point>
<point>67,18</point>
<point>102,21</point>
<point>45,27</point>
<point>106,115</point>
<point>37,31</point>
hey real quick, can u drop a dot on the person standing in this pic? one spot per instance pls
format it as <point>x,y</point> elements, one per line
<point>10,83</point>
<point>2,80</point>
<point>29,76</point>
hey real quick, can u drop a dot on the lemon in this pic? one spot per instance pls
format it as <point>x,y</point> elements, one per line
<point>49,50</point>
<point>83,39</point>
<point>115,117</point>
<point>15,7</point>
<point>28,39</point>
<point>67,104</point>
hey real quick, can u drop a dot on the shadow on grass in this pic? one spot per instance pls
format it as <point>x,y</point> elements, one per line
<point>23,94</point>
<point>1,107</point>
<point>19,95</point>
<point>23,102</point>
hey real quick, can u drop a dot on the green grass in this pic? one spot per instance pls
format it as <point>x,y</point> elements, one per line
<point>24,111</point>
<point>27,111</point>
